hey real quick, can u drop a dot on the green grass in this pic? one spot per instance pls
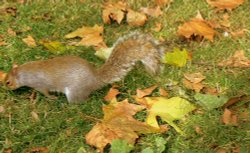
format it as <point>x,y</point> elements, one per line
<point>62,127</point>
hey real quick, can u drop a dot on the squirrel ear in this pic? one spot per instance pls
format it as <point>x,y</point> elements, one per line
<point>14,65</point>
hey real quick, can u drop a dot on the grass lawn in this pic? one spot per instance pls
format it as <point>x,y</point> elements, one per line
<point>61,127</point>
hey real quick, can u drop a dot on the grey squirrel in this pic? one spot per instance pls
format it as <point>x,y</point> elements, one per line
<point>77,78</point>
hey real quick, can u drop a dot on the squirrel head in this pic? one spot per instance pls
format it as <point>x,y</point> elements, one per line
<point>10,80</point>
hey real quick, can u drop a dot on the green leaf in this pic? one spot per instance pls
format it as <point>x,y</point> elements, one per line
<point>157,145</point>
<point>169,110</point>
<point>177,57</point>
<point>121,146</point>
<point>210,102</point>
<point>104,53</point>
<point>55,47</point>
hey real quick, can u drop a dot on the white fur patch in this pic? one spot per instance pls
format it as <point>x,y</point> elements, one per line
<point>66,91</point>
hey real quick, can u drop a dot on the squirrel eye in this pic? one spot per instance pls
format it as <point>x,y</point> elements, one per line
<point>8,83</point>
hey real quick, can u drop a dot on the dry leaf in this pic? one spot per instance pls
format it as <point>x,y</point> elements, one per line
<point>237,60</point>
<point>118,123</point>
<point>194,86</point>
<point>228,118</point>
<point>111,94</point>
<point>198,130</point>
<point>145,92</point>
<point>91,36</point>
<point>211,91</point>
<point>114,11</point>
<point>234,100</point>
<point>225,4</point>
<point>239,33</point>
<point>30,41</point>
<point>2,109</point>
<point>221,150</point>
<point>154,12</point>
<point>163,3</point>
<point>35,116</point>
<point>158,27</point>
<point>163,92</point>
<point>2,76</point>
<point>194,77</point>
<point>136,18</point>
<point>197,27</point>
<point>2,43</point>
<point>11,32</point>
<point>38,150</point>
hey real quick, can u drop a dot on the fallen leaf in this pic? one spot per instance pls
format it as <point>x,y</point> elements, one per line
<point>197,87</point>
<point>38,150</point>
<point>30,41</point>
<point>163,92</point>
<point>197,27</point>
<point>239,33</point>
<point>210,102</point>
<point>35,116</point>
<point>225,4</point>
<point>194,77</point>
<point>211,91</point>
<point>114,11</point>
<point>2,76</point>
<point>221,150</point>
<point>145,92</point>
<point>163,3</point>
<point>121,146</point>
<point>55,47</point>
<point>169,110</point>
<point>158,27</point>
<point>91,36</point>
<point>11,32</point>
<point>154,12</point>
<point>118,123</point>
<point>2,109</point>
<point>136,18</point>
<point>228,118</point>
<point>104,52</point>
<point>177,57</point>
<point>198,130</point>
<point>234,100</point>
<point>237,60</point>
<point>3,43</point>
<point>112,94</point>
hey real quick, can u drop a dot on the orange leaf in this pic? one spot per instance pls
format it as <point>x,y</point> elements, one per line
<point>38,150</point>
<point>194,77</point>
<point>11,32</point>
<point>228,118</point>
<point>194,86</point>
<point>111,94</point>
<point>136,18</point>
<point>118,123</point>
<point>225,4</point>
<point>237,60</point>
<point>2,76</point>
<point>197,27</point>
<point>2,109</point>
<point>145,92</point>
<point>114,11</point>
<point>163,92</point>
<point>158,27</point>
<point>154,12</point>
<point>163,3</point>
<point>30,41</point>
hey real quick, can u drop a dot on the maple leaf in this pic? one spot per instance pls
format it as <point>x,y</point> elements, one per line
<point>55,47</point>
<point>225,4</point>
<point>118,123</point>
<point>114,11</point>
<point>197,27</point>
<point>177,57</point>
<point>169,110</point>
<point>111,94</point>
<point>154,12</point>
<point>145,92</point>
<point>237,60</point>
<point>193,81</point>
<point>30,41</point>
<point>91,36</point>
<point>136,18</point>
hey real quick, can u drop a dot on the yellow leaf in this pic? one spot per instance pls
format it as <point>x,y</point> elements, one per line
<point>30,41</point>
<point>177,57</point>
<point>225,4</point>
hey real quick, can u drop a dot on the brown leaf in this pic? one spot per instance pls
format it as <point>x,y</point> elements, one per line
<point>145,92</point>
<point>225,4</point>
<point>136,18</point>
<point>118,123</point>
<point>221,150</point>
<point>91,36</point>
<point>237,60</point>
<point>163,92</point>
<point>30,41</point>
<point>38,150</point>
<point>211,91</point>
<point>111,94</point>
<point>239,33</point>
<point>2,76</point>
<point>194,86</point>
<point>114,11</point>
<point>154,12</point>
<point>234,100</point>
<point>158,27</point>
<point>2,43</point>
<point>163,3</point>
<point>35,116</point>
<point>11,32</point>
<point>198,130</point>
<point>194,77</point>
<point>2,109</point>
<point>197,27</point>
<point>228,118</point>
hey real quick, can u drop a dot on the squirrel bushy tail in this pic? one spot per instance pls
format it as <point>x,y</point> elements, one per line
<point>126,52</point>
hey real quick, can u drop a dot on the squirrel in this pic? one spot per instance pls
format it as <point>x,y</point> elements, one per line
<point>77,78</point>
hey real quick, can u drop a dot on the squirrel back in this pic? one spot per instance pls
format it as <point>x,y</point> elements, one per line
<point>128,50</point>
